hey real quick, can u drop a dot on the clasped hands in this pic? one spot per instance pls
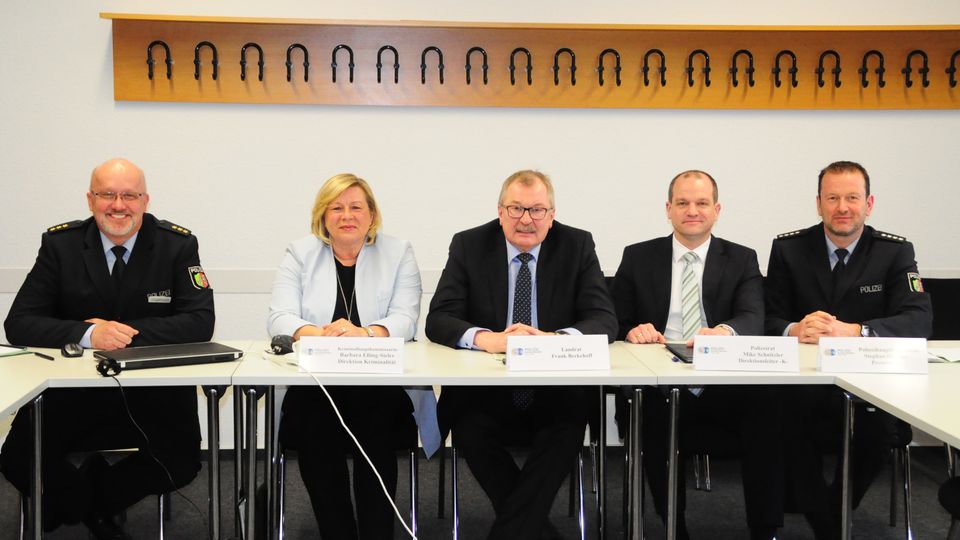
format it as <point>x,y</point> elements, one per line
<point>496,342</point>
<point>822,324</point>
<point>338,328</point>
<point>646,333</point>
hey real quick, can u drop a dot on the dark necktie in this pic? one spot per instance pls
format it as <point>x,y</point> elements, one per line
<point>118,266</point>
<point>523,397</point>
<point>839,268</point>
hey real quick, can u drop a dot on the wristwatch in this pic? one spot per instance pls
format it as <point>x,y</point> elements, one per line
<point>865,331</point>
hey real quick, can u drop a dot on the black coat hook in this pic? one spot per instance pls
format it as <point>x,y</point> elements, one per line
<point>333,61</point>
<point>662,69</point>
<point>556,66</point>
<point>748,70</point>
<point>952,70</point>
<point>836,68</point>
<point>306,62</point>
<point>513,66</point>
<point>485,65</point>
<point>396,63</point>
<point>423,63</point>
<point>923,70</point>
<point>616,68</point>
<point>167,59</point>
<point>864,69</point>
<point>196,59</point>
<point>706,67</point>
<point>243,61</point>
<point>792,70</point>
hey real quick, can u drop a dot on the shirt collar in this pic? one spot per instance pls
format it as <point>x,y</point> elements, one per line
<point>512,252</point>
<point>108,244</point>
<point>679,250</point>
<point>831,247</point>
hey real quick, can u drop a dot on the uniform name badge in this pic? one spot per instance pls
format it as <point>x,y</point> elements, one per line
<point>558,353</point>
<point>872,355</point>
<point>316,354</point>
<point>746,353</point>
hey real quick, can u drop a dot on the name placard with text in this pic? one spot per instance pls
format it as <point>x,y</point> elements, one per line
<point>872,355</point>
<point>350,354</point>
<point>746,353</point>
<point>558,353</point>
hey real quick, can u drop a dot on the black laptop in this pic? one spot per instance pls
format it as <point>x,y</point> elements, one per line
<point>183,354</point>
<point>680,351</point>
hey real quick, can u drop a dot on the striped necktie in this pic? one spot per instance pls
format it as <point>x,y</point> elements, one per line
<point>690,296</point>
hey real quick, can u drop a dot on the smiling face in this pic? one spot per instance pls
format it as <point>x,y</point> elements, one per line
<point>524,232</point>
<point>119,217</point>
<point>348,218</point>
<point>692,209</point>
<point>844,206</point>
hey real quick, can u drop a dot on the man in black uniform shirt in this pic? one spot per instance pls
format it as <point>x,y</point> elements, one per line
<point>118,279</point>
<point>839,278</point>
<point>723,296</point>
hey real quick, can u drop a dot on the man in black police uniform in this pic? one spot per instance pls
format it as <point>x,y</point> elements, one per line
<point>839,278</point>
<point>118,279</point>
<point>510,277</point>
<point>689,283</point>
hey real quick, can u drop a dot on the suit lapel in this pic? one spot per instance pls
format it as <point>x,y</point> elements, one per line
<point>821,262</point>
<point>498,282</point>
<point>141,258</point>
<point>712,276</point>
<point>96,264</point>
<point>661,276</point>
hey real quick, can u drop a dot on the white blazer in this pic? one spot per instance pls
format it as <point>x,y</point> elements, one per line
<point>387,284</point>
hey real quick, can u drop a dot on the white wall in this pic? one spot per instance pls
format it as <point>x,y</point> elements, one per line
<point>243,176</point>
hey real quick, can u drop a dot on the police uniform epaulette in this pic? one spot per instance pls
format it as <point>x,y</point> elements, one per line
<point>173,227</point>
<point>64,226</point>
<point>880,235</point>
<point>791,234</point>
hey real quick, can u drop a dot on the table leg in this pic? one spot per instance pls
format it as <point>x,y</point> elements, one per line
<point>672,459</point>
<point>36,481</point>
<point>846,509</point>
<point>270,461</point>
<point>213,446</point>
<point>602,467</point>
<point>238,472</point>
<point>251,459</point>
<point>635,489</point>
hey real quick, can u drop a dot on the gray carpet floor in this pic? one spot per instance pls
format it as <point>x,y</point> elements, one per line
<point>715,515</point>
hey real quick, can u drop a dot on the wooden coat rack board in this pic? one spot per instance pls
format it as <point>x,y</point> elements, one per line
<point>552,48</point>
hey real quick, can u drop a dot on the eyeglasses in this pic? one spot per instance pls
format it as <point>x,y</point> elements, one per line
<point>516,212</point>
<point>110,196</point>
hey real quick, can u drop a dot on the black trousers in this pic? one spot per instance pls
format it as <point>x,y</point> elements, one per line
<point>97,419</point>
<point>747,417</point>
<point>381,419</point>
<point>553,425</point>
<point>814,415</point>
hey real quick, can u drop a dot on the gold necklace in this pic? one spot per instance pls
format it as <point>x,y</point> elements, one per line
<point>353,294</point>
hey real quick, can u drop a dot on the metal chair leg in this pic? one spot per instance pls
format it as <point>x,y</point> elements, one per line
<point>161,512</point>
<point>281,491</point>
<point>441,484</point>
<point>582,519</point>
<point>706,473</point>
<point>24,518</point>
<point>949,452</point>
<point>895,461</point>
<point>414,487</point>
<point>697,481</point>
<point>907,488</point>
<point>454,493</point>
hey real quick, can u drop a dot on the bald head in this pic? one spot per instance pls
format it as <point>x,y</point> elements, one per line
<point>118,199</point>
<point>117,166</point>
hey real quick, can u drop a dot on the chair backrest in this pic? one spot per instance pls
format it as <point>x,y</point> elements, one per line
<point>945,297</point>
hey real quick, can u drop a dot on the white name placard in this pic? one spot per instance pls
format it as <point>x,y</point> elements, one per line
<point>350,354</point>
<point>558,353</point>
<point>746,353</point>
<point>872,355</point>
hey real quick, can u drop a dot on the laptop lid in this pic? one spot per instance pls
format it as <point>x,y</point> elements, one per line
<point>181,354</point>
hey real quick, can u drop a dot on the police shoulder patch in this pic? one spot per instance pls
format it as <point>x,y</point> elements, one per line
<point>791,234</point>
<point>890,237</point>
<point>64,226</point>
<point>198,278</point>
<point>173,227</point>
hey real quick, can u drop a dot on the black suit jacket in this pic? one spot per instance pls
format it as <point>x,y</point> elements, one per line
<point>732,286</point>
<point>70,282</point>
<point>875,289</point>
<point>472,290</point>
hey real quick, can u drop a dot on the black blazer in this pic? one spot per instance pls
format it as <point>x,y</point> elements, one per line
<point>877,288</point>
<point>732,286</point>
<point>70,282</point>
<point>472,290</point>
